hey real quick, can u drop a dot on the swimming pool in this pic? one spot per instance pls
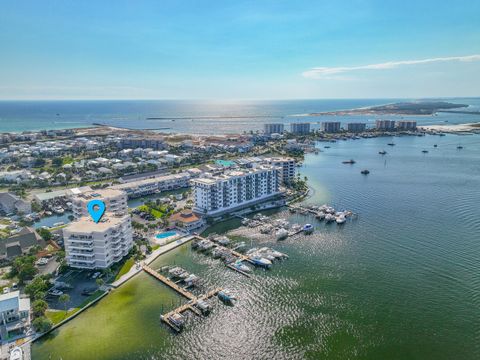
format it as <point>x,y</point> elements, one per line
<point>166,234</point>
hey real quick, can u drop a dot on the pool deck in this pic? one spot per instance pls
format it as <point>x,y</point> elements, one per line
<point>137,268</point>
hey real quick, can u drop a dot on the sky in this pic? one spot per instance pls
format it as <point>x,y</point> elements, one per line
<point>239,49</point>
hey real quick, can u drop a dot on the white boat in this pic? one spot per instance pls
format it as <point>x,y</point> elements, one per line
<point>308,229</point>
<point>58,210</point>
<point>320,216</point>
<point>281,234</point>
<point>340,219</point>
<point>329,218</point>
<point>241,266</point>
<point>261,261</point>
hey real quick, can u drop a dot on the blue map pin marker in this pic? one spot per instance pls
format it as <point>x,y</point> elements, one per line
<point>96,208</point>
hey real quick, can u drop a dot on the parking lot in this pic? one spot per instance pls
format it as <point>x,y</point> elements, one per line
<point>79,281</point>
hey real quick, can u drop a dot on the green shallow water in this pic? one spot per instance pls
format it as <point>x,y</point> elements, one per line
<point>400,282</point>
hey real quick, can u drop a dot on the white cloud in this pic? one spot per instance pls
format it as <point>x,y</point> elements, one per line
<point>331,72</point>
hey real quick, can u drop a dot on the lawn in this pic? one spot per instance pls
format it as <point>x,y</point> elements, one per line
<point>125,268</point>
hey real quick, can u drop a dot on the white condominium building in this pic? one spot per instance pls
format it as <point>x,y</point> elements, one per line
<point>288,167</point>
<point>115,201</point>
<point>90,245</point>
<point>235,189</point>
<point>273,128</point>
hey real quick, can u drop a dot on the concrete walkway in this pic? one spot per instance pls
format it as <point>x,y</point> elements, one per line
<point>137,267</point>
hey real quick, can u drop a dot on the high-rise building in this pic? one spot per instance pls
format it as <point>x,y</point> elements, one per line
<point>115,201</point>
<point>90,245</point>
<point>406,125</point>
<point>288,167</point>
<point>300,128</point>
<point>330,126</point>
<point>356,127</point>
<point>235,189</point>
<point>273,128</point>
<point>385,125</point>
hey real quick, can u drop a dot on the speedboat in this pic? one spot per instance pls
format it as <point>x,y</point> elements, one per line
<point>281,234</point>
<point>226,296</point>
<point>261,261</point>
<point>308,229</point>
<point>341,219</point>
<point>383,152</point>
<point>365,172</point>
<point>239,265</point>
<point>351,161</point>
<point>424,151</point>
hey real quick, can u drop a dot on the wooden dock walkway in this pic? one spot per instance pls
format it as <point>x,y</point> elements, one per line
<point>193,300</point>
<point>169,282</point>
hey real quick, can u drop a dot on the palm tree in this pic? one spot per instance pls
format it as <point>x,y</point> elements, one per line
<point>64,299</point>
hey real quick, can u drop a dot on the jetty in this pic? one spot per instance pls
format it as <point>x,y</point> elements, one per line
<point>193,299</point>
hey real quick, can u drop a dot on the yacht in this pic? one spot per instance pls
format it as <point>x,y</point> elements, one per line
<point>281,234</point>
<point>308,229</point>
<point>424,151</point>
<point>383,152</point>
<point>365,172</point>
<point>459,147</point>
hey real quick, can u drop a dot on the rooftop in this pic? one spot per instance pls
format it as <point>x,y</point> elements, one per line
<point>86,224</point>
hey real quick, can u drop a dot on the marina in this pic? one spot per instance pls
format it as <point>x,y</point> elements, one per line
<point>197,305</point>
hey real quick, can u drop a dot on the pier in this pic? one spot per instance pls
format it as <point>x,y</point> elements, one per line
<point>193,300</point>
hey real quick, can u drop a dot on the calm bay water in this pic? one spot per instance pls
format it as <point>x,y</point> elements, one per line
<point>400,282</point>
<point>194,116</point>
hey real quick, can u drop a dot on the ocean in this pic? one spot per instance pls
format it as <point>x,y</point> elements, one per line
<point>400,282</point>
<point>196,116</point>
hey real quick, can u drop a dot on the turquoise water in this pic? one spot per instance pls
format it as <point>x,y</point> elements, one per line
<point>166,234</point>
<point>199,117</point>
<point>400,282</point>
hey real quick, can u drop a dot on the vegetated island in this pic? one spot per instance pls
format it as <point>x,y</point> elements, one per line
<point>403,108</point>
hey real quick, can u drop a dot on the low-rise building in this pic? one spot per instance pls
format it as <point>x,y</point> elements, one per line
<point>20,243</point>
<point>235,189</point>
<point>14,315</point>
<point>330,126</point>
<point>11,203</point>
<point>90,245</point>
<point>156,184</point>
<point>187,220</point>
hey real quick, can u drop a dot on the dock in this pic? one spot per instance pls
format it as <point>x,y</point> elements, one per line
<point>193,300</point>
